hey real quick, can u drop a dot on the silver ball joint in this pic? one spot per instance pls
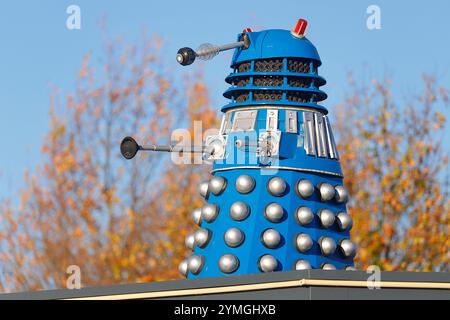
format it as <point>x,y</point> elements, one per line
<point>273,212</point>
<point>183,268</point>
<point>341,195</point>
<point>326,217</point>
<point>327,246</point>
<point>239,211</point>
<point>228,263</point>
<point>305,188</point>
<point>328,266</point>
<point>210,212</point>
<point>202,237</point>
<point>196,216</point>
<point>245,184</point>
<point>195,264</point>
<point>276,186</point>
<point>267,263</point>
<point>271,238</point>
<point>350,268</point>
<point>303,242</point>
<point>302,265</point>
<point>326,191</point>
<point>344,221</point>
<point>203,189</point>
<point>189,241</point>
<point>217,185</point>
<point>304,216</point>
<point>234,237</point>
<point>347,248</point>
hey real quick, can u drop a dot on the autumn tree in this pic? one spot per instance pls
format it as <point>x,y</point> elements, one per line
<point>396,169</point>
<point>85,205</point>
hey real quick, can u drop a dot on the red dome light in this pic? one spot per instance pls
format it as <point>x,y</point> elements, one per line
<point>299,29</point>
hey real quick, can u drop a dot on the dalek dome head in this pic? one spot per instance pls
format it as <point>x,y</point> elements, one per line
<point>276,67</point>
<point>275,43</point>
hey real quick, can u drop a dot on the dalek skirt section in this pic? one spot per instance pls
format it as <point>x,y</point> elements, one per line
<point>275,201</point>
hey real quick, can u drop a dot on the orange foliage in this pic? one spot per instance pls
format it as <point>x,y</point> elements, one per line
<point>119,221</point>
<point>395,168</point>
<point>126,221</point>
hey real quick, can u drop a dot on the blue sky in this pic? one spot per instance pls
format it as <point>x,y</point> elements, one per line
<point>38,49</point>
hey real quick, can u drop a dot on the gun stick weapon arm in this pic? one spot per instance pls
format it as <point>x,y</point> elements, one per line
<point>129,148</point>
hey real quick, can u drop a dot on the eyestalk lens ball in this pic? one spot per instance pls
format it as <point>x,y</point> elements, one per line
<point>185,56</point>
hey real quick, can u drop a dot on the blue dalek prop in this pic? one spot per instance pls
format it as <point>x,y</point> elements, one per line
<point>275,201</point>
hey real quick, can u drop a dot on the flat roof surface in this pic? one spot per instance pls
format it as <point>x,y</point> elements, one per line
<point>293,285</point>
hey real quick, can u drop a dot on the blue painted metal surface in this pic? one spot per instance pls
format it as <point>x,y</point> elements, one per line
<point>292,163</point>
<point>276,43</point>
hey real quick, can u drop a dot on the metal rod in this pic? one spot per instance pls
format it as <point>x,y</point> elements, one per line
<point>174,148</point>
<point>231,45</point>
